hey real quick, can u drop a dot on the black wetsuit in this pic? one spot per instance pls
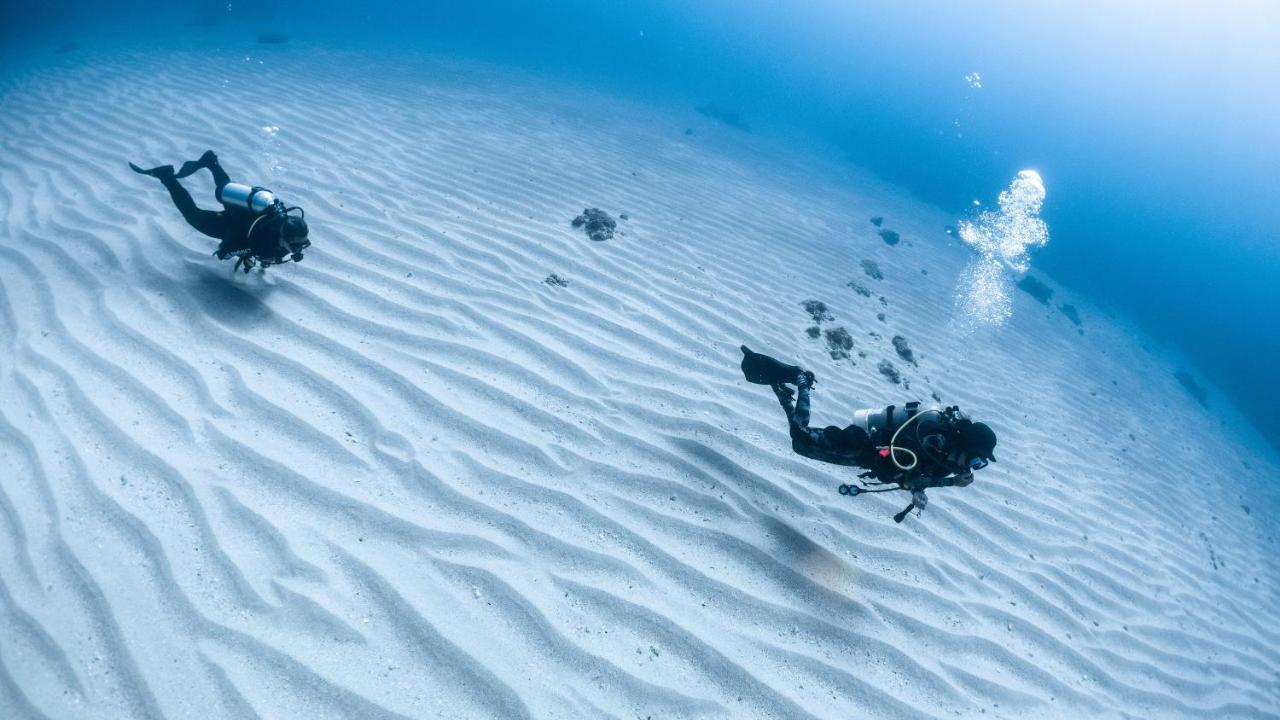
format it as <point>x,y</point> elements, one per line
<point>823,444</point>
<point>853,447</point>
<point>230,225</point>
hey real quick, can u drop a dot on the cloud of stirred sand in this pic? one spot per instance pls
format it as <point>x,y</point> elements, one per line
<point>1003,239</point>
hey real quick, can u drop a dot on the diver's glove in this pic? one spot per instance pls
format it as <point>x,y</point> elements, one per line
<point>919,499</point>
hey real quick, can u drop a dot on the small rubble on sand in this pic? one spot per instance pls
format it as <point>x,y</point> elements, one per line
<point>817,310</point>
<point>872,269</point>
<point>889,371</point>
<point>1036,289</point>
<point>904,350</point>
<point>839,343</point>
<point>596,223</point>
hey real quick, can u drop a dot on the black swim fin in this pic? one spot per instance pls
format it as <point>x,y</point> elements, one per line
<point>160,171</point>
<point>191,166</point>
<point>763,370</point>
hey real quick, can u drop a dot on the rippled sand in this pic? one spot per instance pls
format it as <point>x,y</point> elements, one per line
<point>408,478</point>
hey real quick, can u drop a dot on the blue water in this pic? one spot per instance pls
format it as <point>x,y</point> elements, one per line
<point>1156,126</point>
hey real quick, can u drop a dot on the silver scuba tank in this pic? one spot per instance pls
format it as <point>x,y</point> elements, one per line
<point>876,420</point>
<point>254,199</point>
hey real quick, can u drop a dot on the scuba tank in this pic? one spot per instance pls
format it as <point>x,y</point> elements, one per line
<point>243,197</point>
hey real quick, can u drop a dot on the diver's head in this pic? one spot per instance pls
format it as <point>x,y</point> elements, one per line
<point>979,443</point>
<point>294,234</point>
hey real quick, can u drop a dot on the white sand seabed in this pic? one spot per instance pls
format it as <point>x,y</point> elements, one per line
<point>406,478</point>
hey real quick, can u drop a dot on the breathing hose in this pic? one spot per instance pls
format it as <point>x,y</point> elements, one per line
<point>893,451</point>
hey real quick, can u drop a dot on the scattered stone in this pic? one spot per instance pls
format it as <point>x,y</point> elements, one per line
<point>877,221</point>
<point>596,223</point>
<point>884,301</point>
<point>872,269</point>
<point>1070,312</point>
<point>889,371</point>
<point>861,290</point>
<point>555,280</point>
<point>839,343</point>
<point>880,317</point>
<point>904,350</point>
<point>890,237</point>
<point>817,310</point>
<point>936,397</point>
<point>688,131</point>
<point>728,117</point>
<point>1036,289</point>
<point>1196,389</point>
<point>923,271</point>
<point>1213,557</point>
<point>1245,508</point>
<point>624,216</point>
<point>813,331</point>
<point>273,38</point>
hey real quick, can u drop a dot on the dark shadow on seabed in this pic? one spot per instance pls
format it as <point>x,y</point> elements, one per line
<point>231,300</point>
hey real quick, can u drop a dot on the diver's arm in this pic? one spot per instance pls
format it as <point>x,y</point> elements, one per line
<point>954,480</point>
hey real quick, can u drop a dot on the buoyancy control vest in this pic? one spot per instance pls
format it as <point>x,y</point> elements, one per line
<point>922,447</point>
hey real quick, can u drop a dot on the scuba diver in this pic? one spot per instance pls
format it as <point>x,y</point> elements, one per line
<point>910,448</point>
<point>253,225</point>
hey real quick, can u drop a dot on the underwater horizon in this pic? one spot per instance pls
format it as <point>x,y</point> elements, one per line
<point>639,359</point>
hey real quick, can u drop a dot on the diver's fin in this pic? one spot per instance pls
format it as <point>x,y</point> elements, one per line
<point>160,171</point>
<point>191,166</point>
<point>763,370</point>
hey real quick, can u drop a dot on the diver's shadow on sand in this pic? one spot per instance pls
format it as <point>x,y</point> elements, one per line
<point>236,301</point>
<point>791,542</point>
<point>803,555</point>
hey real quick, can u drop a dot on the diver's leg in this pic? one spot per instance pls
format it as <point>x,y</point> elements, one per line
<point>801,415</point>
<point>220,176</point>
<point>785,396</point>
<point>805,440</point>
<point>207,222</point>
<point>797,414</point>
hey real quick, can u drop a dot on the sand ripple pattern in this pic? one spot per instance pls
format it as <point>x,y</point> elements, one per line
<point>407,479</point>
